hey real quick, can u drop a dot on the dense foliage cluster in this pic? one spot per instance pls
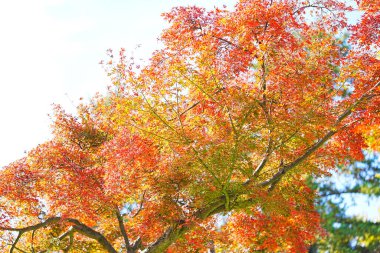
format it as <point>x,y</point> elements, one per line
<point>211,144</point>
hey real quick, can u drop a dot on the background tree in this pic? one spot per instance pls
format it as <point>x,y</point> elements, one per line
<point>347,233</point>
<point>227,121</point>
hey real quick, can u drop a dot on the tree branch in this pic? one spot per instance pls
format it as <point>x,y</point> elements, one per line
<point>78,227</point>
<point>196,104</point>
<point>264,160</point>
<point>122,230</point>
<point>32,243</point>
<point>71,241</point>
<point>285,168</point>
<point>180,227</point>
<point>91,233</point>
<point>167,238</point>
<point>47,222</point>
<point>70,233</point>
<point>16,241</point>
<point>141,205</point>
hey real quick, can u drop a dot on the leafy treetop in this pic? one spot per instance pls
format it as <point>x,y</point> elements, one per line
<point>209,146</point>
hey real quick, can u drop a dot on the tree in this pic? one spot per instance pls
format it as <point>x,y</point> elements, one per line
<point>210,145</point>
<point>350,233</point>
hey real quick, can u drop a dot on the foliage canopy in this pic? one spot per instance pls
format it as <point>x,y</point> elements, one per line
<point>210,145</point>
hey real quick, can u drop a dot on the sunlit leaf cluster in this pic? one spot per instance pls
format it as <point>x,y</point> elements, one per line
<point>208,146</point>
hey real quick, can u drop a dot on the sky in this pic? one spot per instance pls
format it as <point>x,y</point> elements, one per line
<point>50,52</point>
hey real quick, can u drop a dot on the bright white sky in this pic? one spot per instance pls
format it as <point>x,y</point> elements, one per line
<point>50,50</point>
